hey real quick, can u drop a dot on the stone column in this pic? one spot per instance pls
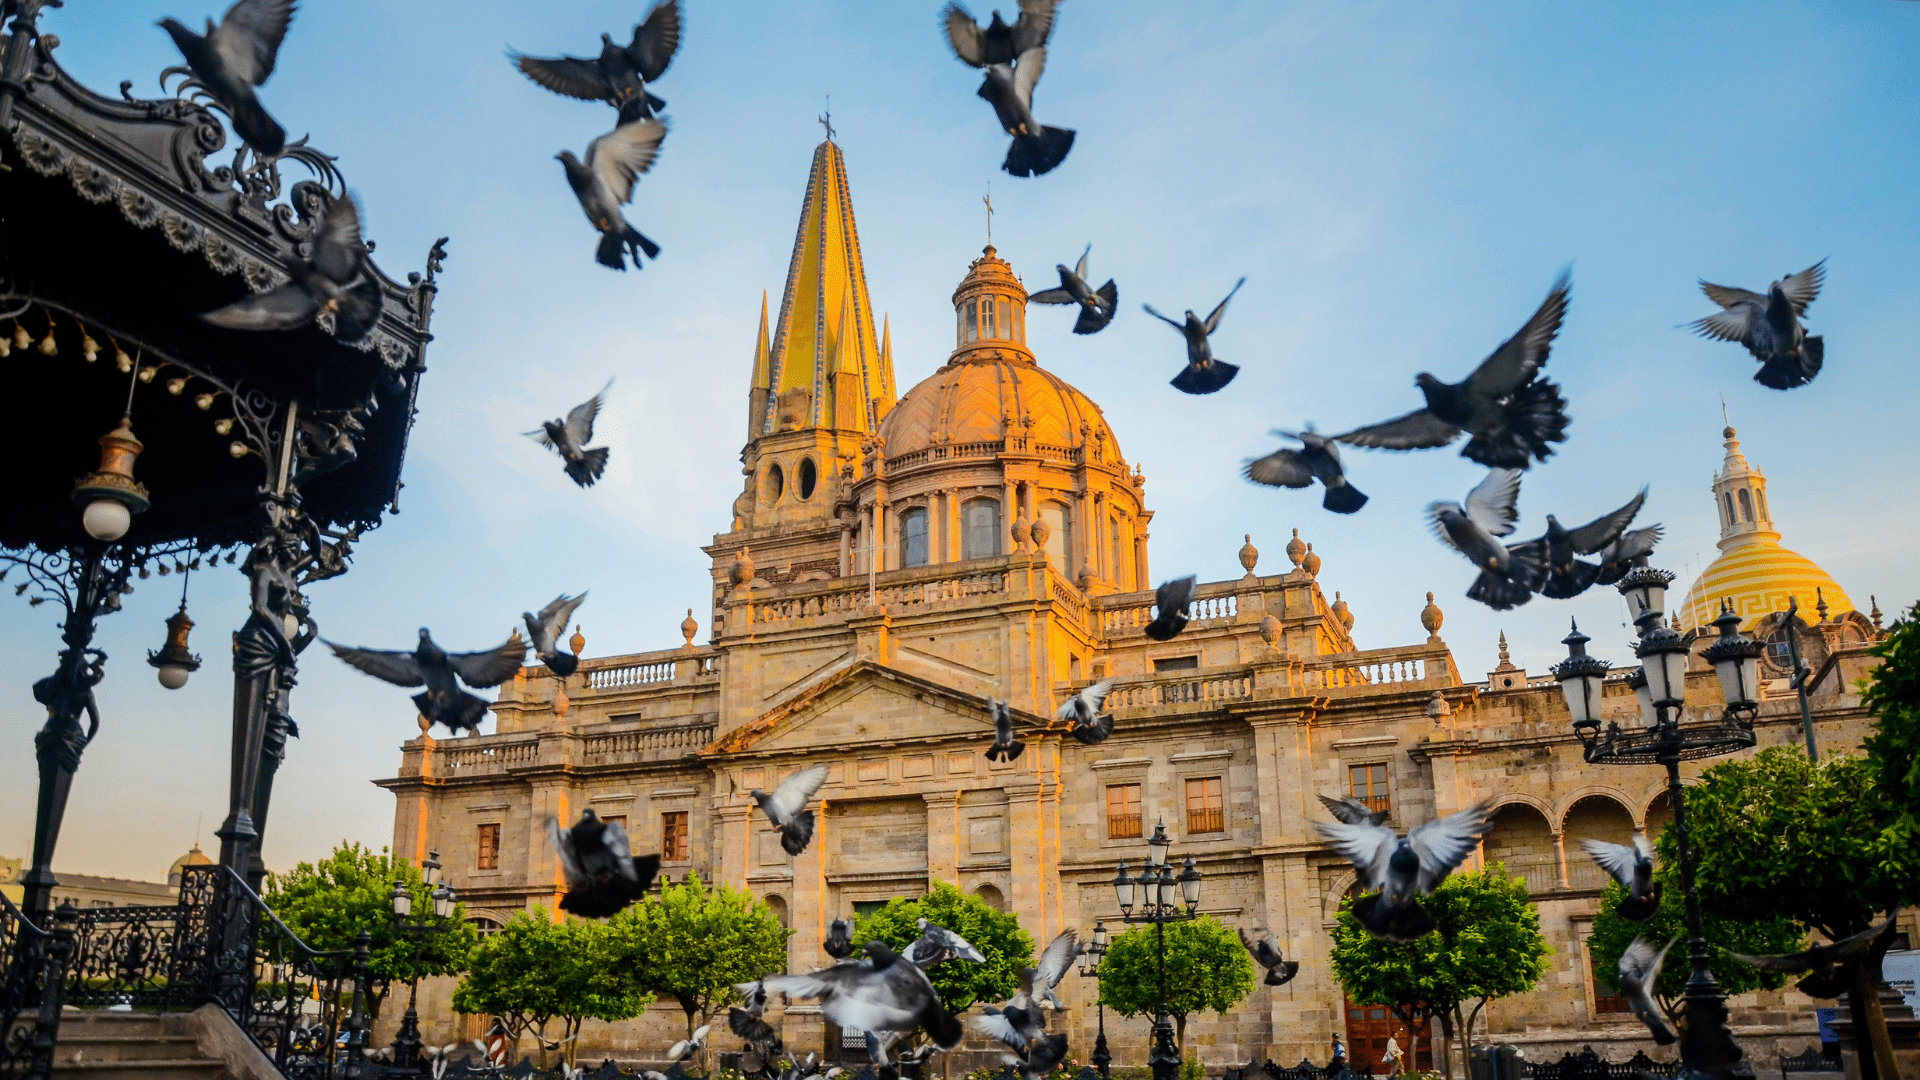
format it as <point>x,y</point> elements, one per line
<point>733,856</point>
<point>1009,510</point>
<point>956,538</point>
<point>1560,856</point>
<point>555,799</point>
<point>1026,853</point>
<point>937,526</point>
<point>943,836</point>
<point>846,549</point>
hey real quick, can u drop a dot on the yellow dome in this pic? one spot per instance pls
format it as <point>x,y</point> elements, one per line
<point>196,857</point>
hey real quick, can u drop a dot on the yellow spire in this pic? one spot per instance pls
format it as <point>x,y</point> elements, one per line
<point>826,319</point>
<point>887,395</point>
<point>759,396</point>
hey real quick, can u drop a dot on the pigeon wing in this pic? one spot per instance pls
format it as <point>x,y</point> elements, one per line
<point>1733,324</point>
<point>1096,694</point>
<point>994,1026</point>
<point>1365,846</point>
<point>580,419</point>
<point>656,40</point>
<point>1026,73</point>
<point>1602,531</point>
<point>964,35</point>
<point>620,847</point>
<point>491,667</point>
<point>1080,269</point>
<point>1792,962</point>
<point>1727,296</point>
<point>1347,809</point>
<point>1175,595</point>
<point>1493,504</point>
<point>565,75</point>
<point>288,307</point>
<point>1514,363</point>
<point>1848,948</point>
<point>1213,320</point>
<point>1443,843</point>
<point>398,668</point>
<point>1616,859</point>
<point>1175,323</point>
<point>248,37</point>
<point>792,795</point>
<point>1418,430</point>
<point>1032,27</point>
<point>1282,468</point>
<point>619,157</point>
<point>1052,296</point>
<point>337,246</point>
<point>555,616</point>
<point>1802,287</point>
<point>1058,957</point>
<point>569,860</point>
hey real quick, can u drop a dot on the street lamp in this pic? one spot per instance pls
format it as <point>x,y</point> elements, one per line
<point>1162,898</point>
<point>1090,959</point>
<point>1660,686</point>
<point>406,1043</point>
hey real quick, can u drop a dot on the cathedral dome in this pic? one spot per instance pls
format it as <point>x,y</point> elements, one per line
<point>196,857</point>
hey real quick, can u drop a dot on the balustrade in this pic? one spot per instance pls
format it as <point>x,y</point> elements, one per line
<point>487,757</point>
<point>647,744</point>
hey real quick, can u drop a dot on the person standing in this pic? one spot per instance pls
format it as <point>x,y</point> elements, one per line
<point>1339,1055</point>
<point>1393,1056</point>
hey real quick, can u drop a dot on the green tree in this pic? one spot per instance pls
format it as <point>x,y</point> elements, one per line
<point>959,983</point>
<point>1892,695</point>
<point>1207,970</point>
<point>692,943</point>
<point>330,903</point>
<point>535,971</point>
<point>1776,834</point>
<point>1487,945</point>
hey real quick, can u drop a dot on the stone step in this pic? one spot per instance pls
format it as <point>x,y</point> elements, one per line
<point>192,1068</point>
<point>91,1047</point>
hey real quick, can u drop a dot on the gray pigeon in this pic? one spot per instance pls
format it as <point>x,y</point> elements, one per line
<point>937,944</point>
<point>1618,557</point>
<point>544,631</point>
<point>1203,374</point>
<point>880,994</point>
<point>1404,868</point>
<point>1055,961</point>
<point>1036,148</point>
<point>839,943</point>
<point>1769,326</point>
<point>1280,970</point>
<point>686,1048</point>
<point>569,439</point>
<point>747,1024</point>
<point>1005,747</point>
<point>1639,972</point>
<point>1317,459</point>
<point>1564,576</point>
<point>1096,305</point>
<point>335,289</point>
<point>620,74</point>
<point>1511,413</point>
<point>786,807</point>
<point>1351,811</point>
<point>1171,601</point>
<point>1082,710</point>
<point>441,672</point>
<point>602,874</point>
<point>997,43</point>
<point>1508,575</point>
<point>1828,963</point>
<point>1015,1023</point>
<point>1631,866</point>
<point>604,183</point>
<point>233,58</point>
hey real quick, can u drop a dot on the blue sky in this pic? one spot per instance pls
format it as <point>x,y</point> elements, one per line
<point>1399,183</point>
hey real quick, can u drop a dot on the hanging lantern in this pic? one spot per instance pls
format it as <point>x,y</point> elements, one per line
<point>110,497</point>
<point>173,659</point>
<point>121,361</point>
<point>48,346</point>
<point>205,401</point>
<point>175,386</point>
<point>21,339</point>
<point>89,348</point>
<point>223,426</point>
<point>6,345</point>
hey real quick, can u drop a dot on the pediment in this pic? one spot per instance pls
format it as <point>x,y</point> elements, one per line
<point>866,703</point>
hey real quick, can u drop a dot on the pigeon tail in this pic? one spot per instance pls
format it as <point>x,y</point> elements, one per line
<point>1092,321</point>
<point>1567,584</point>
<point>1405,922</point>
<point>1205,380</point>
<point>1639,908</point>
<point>1037,155</point>
<point>797,833</point>
<point>585,471</point>
<point>463,712</point>
<point>562,664</point>
<point>1501,592</point>
<point>1787,372</point>
<point>256,128</point>
<point>1009,752</point>
<point>1283,974</point>
<point>1532,417</point>
<point>943,1026</point>
<point>1344,498</point>
<point>1166,626</point>
<point>608,896</point>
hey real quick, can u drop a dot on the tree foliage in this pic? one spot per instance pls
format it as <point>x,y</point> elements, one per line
<point>1755,937</point>
<point>1487,945</point>
<point>535,971</point>
<point>693,943</point>
<point>1893,750</point>
<point>959,983</point>
<point>1208,970</point>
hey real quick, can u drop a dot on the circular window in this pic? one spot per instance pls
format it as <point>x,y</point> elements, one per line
<point>776,483</point>
<point>808,476</point>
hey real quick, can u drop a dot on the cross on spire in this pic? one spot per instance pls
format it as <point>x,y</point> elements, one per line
<point>826,118</point>
<point>988,199</point>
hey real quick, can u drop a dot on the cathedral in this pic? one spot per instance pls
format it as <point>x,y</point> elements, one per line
<point>895,562</point>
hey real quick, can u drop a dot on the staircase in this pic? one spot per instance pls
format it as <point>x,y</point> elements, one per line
<point>132,1046</point>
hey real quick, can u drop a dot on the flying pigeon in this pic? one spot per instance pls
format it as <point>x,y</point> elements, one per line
<point>1632,867</point>
<point>1639,971</point>
<point>1015,1023</point>
<point>1508,575</point>
<point>1055,961</point>
<point>1097,306</point>
<point>1005,747</point>
<point>1280,970</point>
<point>937,944</point>
<point>839,943</point>
<point>1769,326</point>
<point>1351,811</point>
<point>603,876</point>
<point>878,994</point>
<point>439,1059</point>
<point>1618,557</point>
<point>604,183</point>
<point>1511,413</point>
<point>755,1032</point>
<point>1036,148</point>
<point>1082,710</point>
<point>1171,599</point>
<point>1203,374</point>
<point>569,439</point>
<point>1317,459</point>
<point>997,43</point>
<point>1826,962</point>
<point>544,631</point>
<point>233,58</point>
<point>1404,868</point>
<point>335,289</point>
<point>1565,576</point>
<point>620,74</point>
<point>786,807</point>
<point>686,1048</point>
<point>443,702</point>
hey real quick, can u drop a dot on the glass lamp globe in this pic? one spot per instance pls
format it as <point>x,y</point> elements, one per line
<point>173,676</point>
<point>106,519</point>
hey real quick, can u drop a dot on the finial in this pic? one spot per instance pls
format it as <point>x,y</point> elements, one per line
<point>1311,562</point>
<point>1438,708</point>
<point>1431,617</point>
<point>826,118</point>
<point>1874,614</point>
<point>1249,555</point>
<point>578,642</point>
<point>988,199</point>
<point>1504,658</point>
<point>1728,433</point>
<point>1820,602</point>
<point>1296,550</point>
<point>1341,612</point>
<point>688,628</point>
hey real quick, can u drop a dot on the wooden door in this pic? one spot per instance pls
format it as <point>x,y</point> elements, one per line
<point>1369,1027</point>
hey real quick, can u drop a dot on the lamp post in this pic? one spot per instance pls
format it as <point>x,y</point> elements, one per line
<point>1162,898</point>
<point>1667,740</point>
<point>1090,958</point>
<point>406,1043</point>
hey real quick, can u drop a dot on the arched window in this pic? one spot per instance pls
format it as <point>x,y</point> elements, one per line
<point>1019,323</point>
<point>980,529</point>
<point>1746,505</point>
<point>1728,496</point>
<point>990,318</point>
<point>1761,497</point>
<point>973,324</point>
<point>809,476</point>
<point>776,483</point>
<point>990,896</point>
<point>913,537</point>
<point>1117,570</point>
<point>1059,521</point>
<point>778,905</point>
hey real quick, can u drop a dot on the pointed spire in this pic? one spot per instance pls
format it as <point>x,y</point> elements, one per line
<point>887,395</point>
<point>760,394</point>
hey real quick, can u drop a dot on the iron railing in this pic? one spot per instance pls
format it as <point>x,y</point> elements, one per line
<point>29,1016</point>
<point>1589,1065</point>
